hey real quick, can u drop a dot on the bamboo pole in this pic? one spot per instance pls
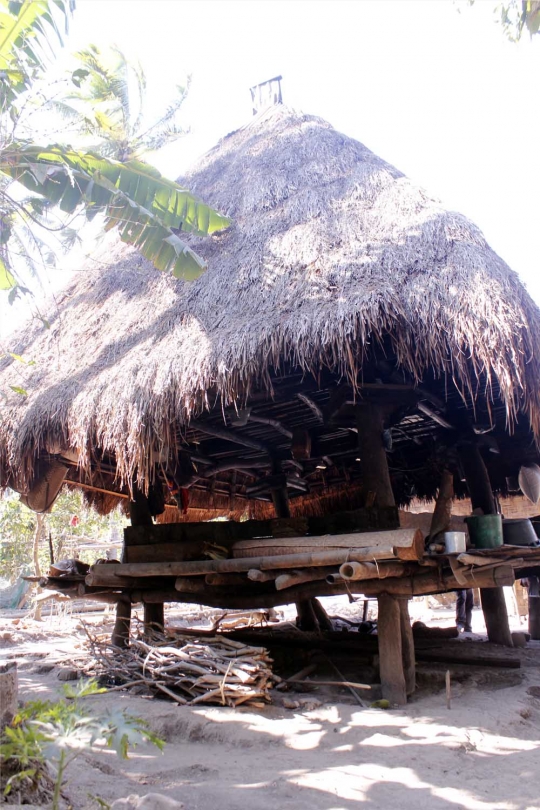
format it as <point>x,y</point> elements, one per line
<point>369,570</point>
<point>407,544</point>
<point>289,578</point>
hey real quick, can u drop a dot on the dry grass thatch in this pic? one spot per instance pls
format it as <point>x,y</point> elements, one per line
<point>331,249</point>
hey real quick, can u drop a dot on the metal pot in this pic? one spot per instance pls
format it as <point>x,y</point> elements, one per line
<point>454,542</point>
<point>519,532</point>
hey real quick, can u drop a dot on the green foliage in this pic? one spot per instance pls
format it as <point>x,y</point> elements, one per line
<point>18,525</point>
<point>27,29</point>
<point>109,104</point>
<point>517,16</point>
<point>148,210</point>
<point>57,732</point>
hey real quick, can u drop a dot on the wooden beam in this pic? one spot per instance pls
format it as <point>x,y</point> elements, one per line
<point>275,423</point>
<point>230,436</point>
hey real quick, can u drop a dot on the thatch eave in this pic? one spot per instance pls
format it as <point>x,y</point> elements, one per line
<point>331,253</point>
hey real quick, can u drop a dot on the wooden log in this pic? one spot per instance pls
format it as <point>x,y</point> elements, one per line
<point>120,634</point>
<point>261,576</point>
<point>290,578</point>
<point>406,544</point>
<point>356,570</point>
<point>447,656</point>
<point>407,646</point>
<point>425,583</point>
<point>290,561</point>
<point>393,682</point>
<point>104,576</point>
<point>374,464</point>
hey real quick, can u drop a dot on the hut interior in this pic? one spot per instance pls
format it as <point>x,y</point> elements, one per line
<point>351,348</point>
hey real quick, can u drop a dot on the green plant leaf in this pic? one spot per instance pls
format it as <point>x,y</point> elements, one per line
<point>18,390</point>
<point>148,210</point>
<point>7,279</point>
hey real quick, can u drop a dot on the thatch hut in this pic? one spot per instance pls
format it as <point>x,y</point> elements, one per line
<point>350,340</point>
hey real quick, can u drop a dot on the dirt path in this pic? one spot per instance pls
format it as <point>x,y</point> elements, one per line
<point>483,753</point>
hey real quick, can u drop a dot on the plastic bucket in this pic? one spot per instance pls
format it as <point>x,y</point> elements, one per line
<point>485,531</point>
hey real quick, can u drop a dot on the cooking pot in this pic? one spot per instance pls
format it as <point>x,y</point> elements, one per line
<point>519,532</point>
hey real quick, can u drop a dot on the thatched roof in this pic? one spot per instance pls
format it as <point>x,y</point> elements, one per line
<point>331,252</point>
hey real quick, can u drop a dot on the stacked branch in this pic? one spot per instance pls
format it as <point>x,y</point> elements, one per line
<point>189,670</point>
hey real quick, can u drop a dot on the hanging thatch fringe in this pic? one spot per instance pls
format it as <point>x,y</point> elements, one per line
<point>332,250</point>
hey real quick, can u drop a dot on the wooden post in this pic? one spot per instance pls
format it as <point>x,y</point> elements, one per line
<point>139,514</point>
<point>478,484</point>
<point>407,646</point>
<point>534,607</point>
<point>394,687</point>
<point>154,618</point>
<point>120,634</point>
<point>374,464</point>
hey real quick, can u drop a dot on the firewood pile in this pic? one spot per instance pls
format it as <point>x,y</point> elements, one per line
<point>189,670</point>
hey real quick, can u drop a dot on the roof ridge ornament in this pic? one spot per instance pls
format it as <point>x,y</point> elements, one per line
<point>266,94</point>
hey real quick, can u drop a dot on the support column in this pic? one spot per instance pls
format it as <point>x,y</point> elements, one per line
<point>374,464</point>
<point>534,608</point>
<point>394,687</point>
<point>154,617</point>
<point>407,646</point>
<point>492,599</point>
<point>120,634</point>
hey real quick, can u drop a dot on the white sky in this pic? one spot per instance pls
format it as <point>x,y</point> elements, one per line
<point>431,86</point>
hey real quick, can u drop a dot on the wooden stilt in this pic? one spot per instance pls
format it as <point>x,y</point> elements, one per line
<point>534,617</point>
<point>153,618</point>
<point>492,599</point>
<point>306,619</point>
<point>120,634</point>
<point>407,646</point>
<point>394,687</point>
<point>139,514</point>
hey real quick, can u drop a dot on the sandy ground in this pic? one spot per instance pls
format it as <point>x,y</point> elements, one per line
<point>482,753</point>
